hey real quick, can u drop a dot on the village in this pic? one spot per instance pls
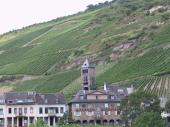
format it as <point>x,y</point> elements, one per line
<point>90,105</point>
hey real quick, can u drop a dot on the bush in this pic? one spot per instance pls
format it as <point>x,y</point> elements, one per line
<point>39,123</point>
<point>149,119</point>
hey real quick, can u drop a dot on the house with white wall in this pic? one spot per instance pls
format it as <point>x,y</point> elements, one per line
<point>22,109</point>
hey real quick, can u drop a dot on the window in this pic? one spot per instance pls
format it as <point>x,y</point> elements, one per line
<point>51,110</point>
<point>89,113</point>
<point>9,110</point>
<point>25,120</point>
<point>106,113</point>
<point>25,110</point>
<point>90,106</point>
<point>106,105</point>
<point>15,110</point>
<point>118,112</point>
<point>61,110</point>
<point>46,110</point>
<point>77,105</point>
<point>1,111</point>
<point>20,111</point>
<point>1,101</point>
<point>40,110</point>
<point>83,105</point>
<point>10,101</point>
<point>77,113</point>
<point>85,79</point>
<point>112,97</point>
<point>118,104</point>
<point>81,97</point>
<point>31,109</point>
<point>56,110</point>
<point>97,98</point>
<point>85,71</point>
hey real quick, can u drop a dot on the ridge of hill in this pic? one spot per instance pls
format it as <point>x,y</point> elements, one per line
<point>126,40</point>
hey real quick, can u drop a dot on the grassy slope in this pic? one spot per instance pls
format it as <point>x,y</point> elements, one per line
<point>48,49</point>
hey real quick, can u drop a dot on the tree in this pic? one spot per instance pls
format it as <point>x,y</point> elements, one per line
<point>137,103</point>
<point>167,106</point>
<point>66,119</point>
<point>149,119</point>
<point>165,17</point>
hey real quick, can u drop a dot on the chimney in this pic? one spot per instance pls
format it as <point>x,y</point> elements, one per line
<point>105,88</point>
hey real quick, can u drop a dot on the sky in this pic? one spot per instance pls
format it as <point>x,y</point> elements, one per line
<point>15,14</point>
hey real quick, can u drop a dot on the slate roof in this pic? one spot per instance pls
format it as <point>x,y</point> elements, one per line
<point>51,99</point>
<point>112,90</point>
<point>28,98</point>
<point>19,98</point>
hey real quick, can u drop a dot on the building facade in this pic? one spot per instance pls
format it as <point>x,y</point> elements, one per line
<point>100,106</point>
<point>23,109</point>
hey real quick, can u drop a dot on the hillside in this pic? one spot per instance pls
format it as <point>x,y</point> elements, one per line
<point>128,41</point>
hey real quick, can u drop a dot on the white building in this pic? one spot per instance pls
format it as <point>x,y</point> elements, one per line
<point>23,109</point>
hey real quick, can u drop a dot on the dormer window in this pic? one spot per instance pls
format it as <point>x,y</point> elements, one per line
<point>121,91</point>
<point>10,101</point>
<point>81,97</point>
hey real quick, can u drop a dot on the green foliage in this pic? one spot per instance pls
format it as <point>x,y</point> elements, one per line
<point>48,48</point>
<point>65,120</point>
<point>167,106</point>
<point>149,119</point>
<point>136,103</point>
<point>39,123</point>
<point>158,85</point>
<point>138,66</point>
<point>77,125</point>
<point>165,17</point>
<point>48,84</point>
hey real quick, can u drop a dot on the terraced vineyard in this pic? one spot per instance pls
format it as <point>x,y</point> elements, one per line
<point>154,84</point>
<point>124,39</point>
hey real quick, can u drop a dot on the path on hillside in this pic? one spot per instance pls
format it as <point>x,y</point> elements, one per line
<point>28,43</point>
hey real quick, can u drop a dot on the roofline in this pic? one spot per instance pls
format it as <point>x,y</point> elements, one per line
<point>94,101</point>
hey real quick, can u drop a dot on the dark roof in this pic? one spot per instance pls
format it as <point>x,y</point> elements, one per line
<point>87,64</point>
<point>51,99</point>
<point>14,98</point>
<point>111,90</point>
<point>117,90</point>
<point>19,98</point>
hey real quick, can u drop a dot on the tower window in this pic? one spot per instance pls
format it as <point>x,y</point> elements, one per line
<point>86,88</point>
<point>85,71</point>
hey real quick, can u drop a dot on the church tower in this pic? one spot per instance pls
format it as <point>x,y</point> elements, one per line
<point>88,76</point>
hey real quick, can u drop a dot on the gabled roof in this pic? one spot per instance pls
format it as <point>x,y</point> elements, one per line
<point>98,92</point>
<point>27,98</point>
<point>87,64</point>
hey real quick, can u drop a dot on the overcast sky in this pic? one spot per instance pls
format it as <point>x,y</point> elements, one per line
<point>15,14</point>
